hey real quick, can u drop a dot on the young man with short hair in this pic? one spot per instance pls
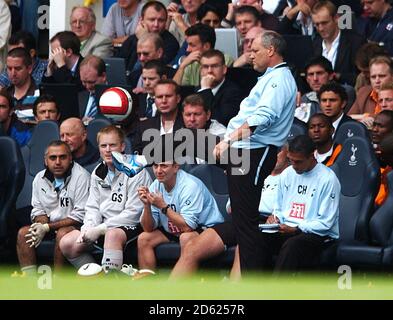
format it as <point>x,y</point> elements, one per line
<point>333,99</point>
<point>113,208</point>
<point>306,210</point>
<point>200,38</point>
<point>23,87</point>
<point>45,108</point>
<point>25,40</point>
<point>385,96</point>
<point>320,130</point>
<point>152,72</point>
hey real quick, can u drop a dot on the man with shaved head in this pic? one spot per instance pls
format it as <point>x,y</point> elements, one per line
<point>73,132</point>
<point>245,58</point>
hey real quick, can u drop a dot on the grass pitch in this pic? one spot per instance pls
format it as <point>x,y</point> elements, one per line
<point>205,285</point>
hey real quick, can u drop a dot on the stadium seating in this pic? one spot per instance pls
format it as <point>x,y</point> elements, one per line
<point>33,159</point>
<point>298,128</point>
<point>93,127</point>
<point>216,181</point>
<point>379,251</point>
<point>12,174</point>
<point>358,172</point>
<point>351,129</point>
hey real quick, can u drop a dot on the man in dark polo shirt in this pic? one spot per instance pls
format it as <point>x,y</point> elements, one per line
<point>9,123</point>
<point>22,88</point>
<point>73,132</point>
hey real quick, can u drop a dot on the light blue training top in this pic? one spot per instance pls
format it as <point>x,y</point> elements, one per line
<point>270,107</point>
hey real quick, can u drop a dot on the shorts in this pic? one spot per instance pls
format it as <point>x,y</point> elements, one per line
<point>174,237</point>
<point>226,232</point>
<point>132,232</point>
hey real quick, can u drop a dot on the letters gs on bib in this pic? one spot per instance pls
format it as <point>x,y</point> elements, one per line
<point>117,197</point>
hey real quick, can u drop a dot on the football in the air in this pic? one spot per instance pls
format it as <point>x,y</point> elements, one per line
<point>116,103</point>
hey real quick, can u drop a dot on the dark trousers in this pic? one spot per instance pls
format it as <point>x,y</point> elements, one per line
<point>294,251</point>
<point>245,192</point>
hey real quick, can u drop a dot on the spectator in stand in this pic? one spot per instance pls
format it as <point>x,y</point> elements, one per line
<point>25,40</point>
<point>319,71</point>
<point>222,95</point>
<point>249,11</point>
<point>200,38</point>
<point>23,88</point>
<point>385,96</point>
<point>168,118</point>
<point>245,59</point>
<point>179,23</point>
<point>45,108</point>
<point>152,72</point>
<point>333,99</point>
<point>83,24</point>
<point>297,19</point>
<point>245,18</point>
<point>149,47</point>
<point>320,130</point>
<point>366,52</point>
<point>64,60</point>
<point>73,132</point>
<point>380,20</point>
<point>366,103</point>
<point>210,15</point>
<point>153,20</point>
<point>197,115</point>
<point>5,31</point>
<point>338,46</point>
<point>122,20</point>
<point>92,71</point>
<point>10,124</point>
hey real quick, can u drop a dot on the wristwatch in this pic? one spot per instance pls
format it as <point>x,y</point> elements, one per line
<point>165,209</point>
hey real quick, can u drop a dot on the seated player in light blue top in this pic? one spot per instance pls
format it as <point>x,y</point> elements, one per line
<point>177,207</point>
<point>306,209</point>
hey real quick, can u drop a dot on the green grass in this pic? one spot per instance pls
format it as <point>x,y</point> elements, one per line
<point>208,286</point>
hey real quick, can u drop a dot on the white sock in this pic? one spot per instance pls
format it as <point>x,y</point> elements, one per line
<point>81,260</point>
<point>112,259</point>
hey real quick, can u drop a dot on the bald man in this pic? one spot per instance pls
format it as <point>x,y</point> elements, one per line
<point>73,132</point>
<point>245,59</point>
